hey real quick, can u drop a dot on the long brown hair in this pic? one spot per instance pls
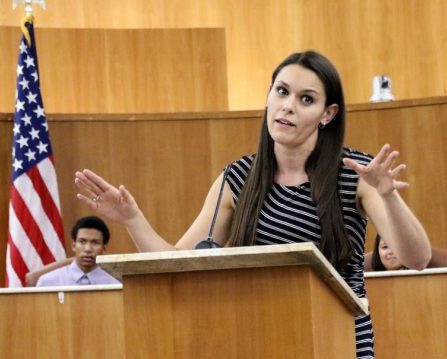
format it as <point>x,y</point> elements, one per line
<point>322,168</point>
<point>376,262</point>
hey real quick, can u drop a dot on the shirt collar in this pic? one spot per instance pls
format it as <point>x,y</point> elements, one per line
<point>77,273</point>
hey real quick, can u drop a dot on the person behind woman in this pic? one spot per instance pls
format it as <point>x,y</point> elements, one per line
<point>382,258</point>
<point>301,185</point>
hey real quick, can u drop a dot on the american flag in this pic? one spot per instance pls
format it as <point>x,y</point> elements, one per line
<point>35,236</point>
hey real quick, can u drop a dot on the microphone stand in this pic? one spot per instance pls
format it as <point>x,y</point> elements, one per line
<point>209,242</point>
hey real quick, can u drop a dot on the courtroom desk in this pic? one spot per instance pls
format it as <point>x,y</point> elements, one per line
<point>408,309</point>
<point>62,322</point>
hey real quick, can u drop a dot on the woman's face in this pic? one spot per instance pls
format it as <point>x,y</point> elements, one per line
<point>389,260</point>
<point>296,106</point>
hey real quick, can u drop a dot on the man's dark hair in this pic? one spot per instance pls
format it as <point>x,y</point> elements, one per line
<point>91,222</point>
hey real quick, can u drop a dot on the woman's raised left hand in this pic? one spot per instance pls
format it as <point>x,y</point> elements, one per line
<point>379,173</point>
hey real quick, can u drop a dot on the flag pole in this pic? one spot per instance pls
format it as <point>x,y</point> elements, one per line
<point>35,229</point>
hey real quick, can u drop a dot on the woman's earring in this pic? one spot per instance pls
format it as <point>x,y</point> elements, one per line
<point>321,125</point>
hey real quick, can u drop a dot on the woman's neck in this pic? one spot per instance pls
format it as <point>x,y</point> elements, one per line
<point>291,165</point>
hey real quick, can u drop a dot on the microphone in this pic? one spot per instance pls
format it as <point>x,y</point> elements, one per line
<point>209,242</point>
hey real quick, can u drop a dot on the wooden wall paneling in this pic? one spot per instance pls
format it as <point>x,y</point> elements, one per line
<point>9,43</point>
<point>259,36</point>
<point>418,133</point>
<point>233,137</point>
<point>403,38</point>
<point>177,70</point>
<point>5,182</point>
<point>165,164</point>
<point>368,131</point>
<point>123,71</point>
<point>168,161</point>
<point>367,38</point>
<point>168,165</point>
<point>408,315</point>
<point>86,325</point>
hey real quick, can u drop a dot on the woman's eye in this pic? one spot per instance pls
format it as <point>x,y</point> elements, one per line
<point>307,99</point>
<point>281,90</point>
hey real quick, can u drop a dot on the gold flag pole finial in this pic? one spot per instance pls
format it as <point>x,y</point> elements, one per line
<point>28,14</point>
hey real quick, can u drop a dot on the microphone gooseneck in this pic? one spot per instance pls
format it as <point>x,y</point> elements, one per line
<point>209,242</point>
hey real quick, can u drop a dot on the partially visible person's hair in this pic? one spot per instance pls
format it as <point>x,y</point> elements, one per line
<point>376,262</point>
<point>91,222</point>
<point>322,167</point>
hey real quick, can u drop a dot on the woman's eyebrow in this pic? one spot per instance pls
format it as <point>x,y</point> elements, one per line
<point>307,90</point>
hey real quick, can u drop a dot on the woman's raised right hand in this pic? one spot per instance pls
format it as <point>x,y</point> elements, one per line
<point>116,204</point>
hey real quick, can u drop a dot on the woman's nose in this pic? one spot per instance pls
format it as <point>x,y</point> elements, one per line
<point>287,106</point>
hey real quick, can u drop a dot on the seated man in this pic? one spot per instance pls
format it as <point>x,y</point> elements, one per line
<point>90,236</point>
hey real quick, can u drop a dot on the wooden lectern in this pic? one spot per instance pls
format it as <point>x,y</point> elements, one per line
<point>275,301</point>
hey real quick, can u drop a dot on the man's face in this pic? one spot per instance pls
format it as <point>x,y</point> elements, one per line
<point>88,244</point>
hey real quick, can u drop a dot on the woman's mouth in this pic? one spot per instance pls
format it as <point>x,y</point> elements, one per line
<point>285,122</point>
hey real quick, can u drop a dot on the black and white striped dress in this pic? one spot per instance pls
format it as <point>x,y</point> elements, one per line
<point>289,216</point>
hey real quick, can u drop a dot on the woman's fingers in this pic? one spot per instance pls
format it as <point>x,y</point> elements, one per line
<point>401,185</point>
<point>394,172</point>
<point>93,185</point>
<point>389,161</point>
<point>86,200</point>
<point>379,172</point>
<point>100,183</point>
<point>114,203</point>
<point>125,194</point>
<point>379,158</point>
<point>357,167</point>
<point>92,181</point>
<point>85,187</point>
